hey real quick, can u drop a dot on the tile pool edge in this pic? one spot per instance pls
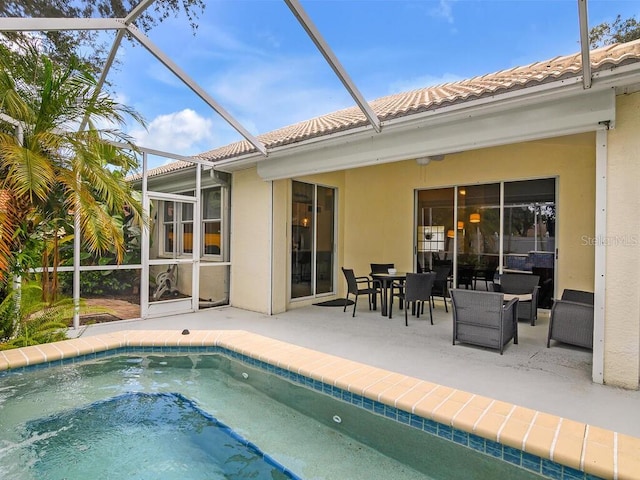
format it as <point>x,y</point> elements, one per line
<point>523,432</point>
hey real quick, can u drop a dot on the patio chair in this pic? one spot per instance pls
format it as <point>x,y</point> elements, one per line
<point>482,318</point>
<point>524,287</point>
<point>571,319</point>
<point>465,276</point>
<point>486,273</point>
<point>355,286</point>
<point>415,290</point>
<point>441,284</point>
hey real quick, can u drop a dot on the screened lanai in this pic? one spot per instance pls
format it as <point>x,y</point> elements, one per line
<point>176,250</point>
<point>266,175</point>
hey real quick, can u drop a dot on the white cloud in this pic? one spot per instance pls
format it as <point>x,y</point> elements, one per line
<point>279,92</point>
<point>183,133</point>
<point>443,10</point>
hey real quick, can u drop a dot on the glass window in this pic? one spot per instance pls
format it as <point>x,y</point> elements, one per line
<point>212,221</point>
<point>167,224</point>
<point>211,200</point>
<point>179,217</point>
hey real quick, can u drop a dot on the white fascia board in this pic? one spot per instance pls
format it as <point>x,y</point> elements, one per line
<point>455,132</point>
<point>15,24</point>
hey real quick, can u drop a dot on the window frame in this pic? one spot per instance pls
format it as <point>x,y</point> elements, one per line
<point>178,224</point>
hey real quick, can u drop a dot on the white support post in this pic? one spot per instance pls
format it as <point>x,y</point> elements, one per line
<point>76,267</point>
<point>144,247</point>
<point>197,226</point>
<point>501,236</point>
<point>600,257</point>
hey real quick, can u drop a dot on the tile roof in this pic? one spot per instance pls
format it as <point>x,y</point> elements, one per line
<point>428,98</point>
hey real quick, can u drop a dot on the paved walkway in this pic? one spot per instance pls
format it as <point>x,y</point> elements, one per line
<point>555,380</point>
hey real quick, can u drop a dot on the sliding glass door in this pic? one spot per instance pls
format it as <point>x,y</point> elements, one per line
<point>312,240</point>
<point>529,242</point>
<point>481,230</point>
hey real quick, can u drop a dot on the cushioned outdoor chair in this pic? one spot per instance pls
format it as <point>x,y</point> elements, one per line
<point>524,287</point>
<point>415,291</point>
<point>571,319</point>
<point>482,318</point>
<point>360,286</point>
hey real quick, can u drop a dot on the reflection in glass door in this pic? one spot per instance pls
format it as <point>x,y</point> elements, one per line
<point>529,232</point>
<point>312,239</point>
<point>479,235</point>
<point>435,236</point>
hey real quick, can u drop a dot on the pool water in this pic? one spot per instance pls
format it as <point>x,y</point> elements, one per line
<point>70,421</point>
<point>171,438</point>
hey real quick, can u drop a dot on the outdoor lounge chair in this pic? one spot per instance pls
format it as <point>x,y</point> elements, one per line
<point>356,287</point>
<point>524,287</point>
<point>571,319</point>
<point>482,318</point>
<point>415,291</point>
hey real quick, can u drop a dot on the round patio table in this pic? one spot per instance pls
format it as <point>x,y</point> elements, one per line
<point>386,279</point>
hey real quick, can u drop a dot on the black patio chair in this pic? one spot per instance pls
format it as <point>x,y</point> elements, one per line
<point>355,286</point>
<point>486,273</point>
<point>415,291</point>
<point>441,284</point>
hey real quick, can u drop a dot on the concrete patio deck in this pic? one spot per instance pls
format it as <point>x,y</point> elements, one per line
<point>555,380</point>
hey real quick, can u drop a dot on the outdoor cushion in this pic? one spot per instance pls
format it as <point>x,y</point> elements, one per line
<point>523,297</point>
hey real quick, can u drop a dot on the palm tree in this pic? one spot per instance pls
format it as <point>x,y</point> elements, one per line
<point>52,169</point>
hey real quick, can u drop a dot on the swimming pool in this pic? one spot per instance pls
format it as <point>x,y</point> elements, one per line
<point>84,420</point>
<point>551,446</point>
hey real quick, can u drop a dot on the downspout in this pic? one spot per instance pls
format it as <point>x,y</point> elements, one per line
<point>584,44</point>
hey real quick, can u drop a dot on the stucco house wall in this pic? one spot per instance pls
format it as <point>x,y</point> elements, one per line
<point>622,296</point>
<point>250,242</point>
<point>375,218</point>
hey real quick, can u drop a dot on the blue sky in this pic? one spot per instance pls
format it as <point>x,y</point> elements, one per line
<point>254,58</point>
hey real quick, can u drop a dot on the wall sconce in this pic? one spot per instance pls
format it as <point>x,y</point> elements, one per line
<point>451,233</point>
<point>462,191</point>
<point>474,218</point>
<point>305,221</point>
